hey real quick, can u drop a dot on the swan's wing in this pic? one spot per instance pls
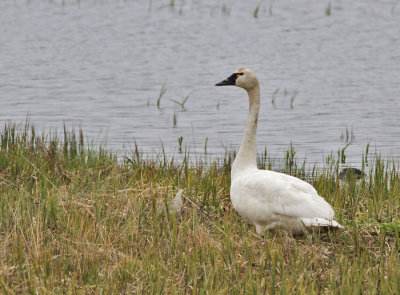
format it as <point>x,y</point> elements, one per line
<point>284,195</point>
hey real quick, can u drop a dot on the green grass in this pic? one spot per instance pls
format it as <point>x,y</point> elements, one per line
<point>328,10</point>
<point>162,92</point>
<point>75,220</point>
<point>181,104</point>
<point>255,13</point>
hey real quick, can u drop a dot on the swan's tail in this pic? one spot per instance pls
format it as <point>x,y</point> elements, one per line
<point>320,222</point>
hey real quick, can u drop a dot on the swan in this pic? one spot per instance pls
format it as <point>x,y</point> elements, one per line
<point>265,198</point>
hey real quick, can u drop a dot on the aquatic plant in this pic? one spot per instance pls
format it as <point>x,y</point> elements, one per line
<point>274,95</point>
<point>180,140</point>
<point>175,120</point>
<point>347,136</point>
<point>182,103</point>
<point>225,10</point>
<point>255,13</point>
<point>328,10</point>
<point>205,146</point>
<point>162,92</point>
<point>292,100</point>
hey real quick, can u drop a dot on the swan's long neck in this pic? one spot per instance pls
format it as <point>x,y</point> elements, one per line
<point>246,157</point>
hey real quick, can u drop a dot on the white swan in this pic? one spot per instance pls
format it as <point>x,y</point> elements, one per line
<point>266,198</point>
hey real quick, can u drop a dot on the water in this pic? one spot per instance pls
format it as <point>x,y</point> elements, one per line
<point>100,66</point>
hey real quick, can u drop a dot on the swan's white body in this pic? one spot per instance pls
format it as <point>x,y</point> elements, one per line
<point>266,198</point>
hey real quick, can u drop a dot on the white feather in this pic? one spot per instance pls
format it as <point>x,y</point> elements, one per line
<point>322,222</point>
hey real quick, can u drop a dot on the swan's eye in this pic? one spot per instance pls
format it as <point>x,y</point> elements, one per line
<point>239,74</point>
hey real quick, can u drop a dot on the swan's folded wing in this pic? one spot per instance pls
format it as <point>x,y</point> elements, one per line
<point>285,195</point>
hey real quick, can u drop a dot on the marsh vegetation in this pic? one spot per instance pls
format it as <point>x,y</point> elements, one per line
<point>75,219</point>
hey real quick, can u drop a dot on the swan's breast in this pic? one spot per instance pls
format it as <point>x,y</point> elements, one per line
<point>248,204</point>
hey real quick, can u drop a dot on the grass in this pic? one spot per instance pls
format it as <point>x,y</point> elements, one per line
<point>175,120</point>
<point>274,95</point>
<point>181,104</point>
<point>75,220</point>
<point>225,10</point>
<point>292,100</point>
<point>255,13</point>
<point>162,92</point>
<point>328,10</point>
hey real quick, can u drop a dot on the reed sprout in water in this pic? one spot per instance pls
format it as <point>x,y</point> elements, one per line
<point>180,140</point>
<point>255,13</point>
<point>75,219</point>
<point>181,103</point>
<point>225,10</point>
<point>162,92</point>
<point>292,100</point>
<point>328,10</point>
<point>175,120</point>
<point>274,95</point>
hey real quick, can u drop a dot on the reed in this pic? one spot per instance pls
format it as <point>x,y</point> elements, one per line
<point>292,100</point>
<point>255,13</point>
<point>328,10</point>
<point>162,92</point>
<point>181,103</point>
<point>225,9</point>
<point>274,95</point>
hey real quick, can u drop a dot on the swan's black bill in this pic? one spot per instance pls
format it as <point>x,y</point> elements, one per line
<point>231,80</point>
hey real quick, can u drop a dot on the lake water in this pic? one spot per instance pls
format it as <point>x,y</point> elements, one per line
<point>100,66</point>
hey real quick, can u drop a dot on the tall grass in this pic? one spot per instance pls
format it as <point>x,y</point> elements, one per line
<point>75,220</point>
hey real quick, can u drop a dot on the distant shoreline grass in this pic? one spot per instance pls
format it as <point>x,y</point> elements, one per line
<point>75,220</point>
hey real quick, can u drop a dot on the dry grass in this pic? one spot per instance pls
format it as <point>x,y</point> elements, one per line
<point>74,220</point>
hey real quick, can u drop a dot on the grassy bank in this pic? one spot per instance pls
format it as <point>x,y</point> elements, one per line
<point>75,220</point>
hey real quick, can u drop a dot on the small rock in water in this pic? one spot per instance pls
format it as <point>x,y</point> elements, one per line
<point>351,172</point>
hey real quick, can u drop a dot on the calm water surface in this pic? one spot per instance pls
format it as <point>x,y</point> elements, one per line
<point>100,66</point>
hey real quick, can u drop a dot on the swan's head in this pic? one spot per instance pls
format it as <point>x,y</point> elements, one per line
<point>244,78</point>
